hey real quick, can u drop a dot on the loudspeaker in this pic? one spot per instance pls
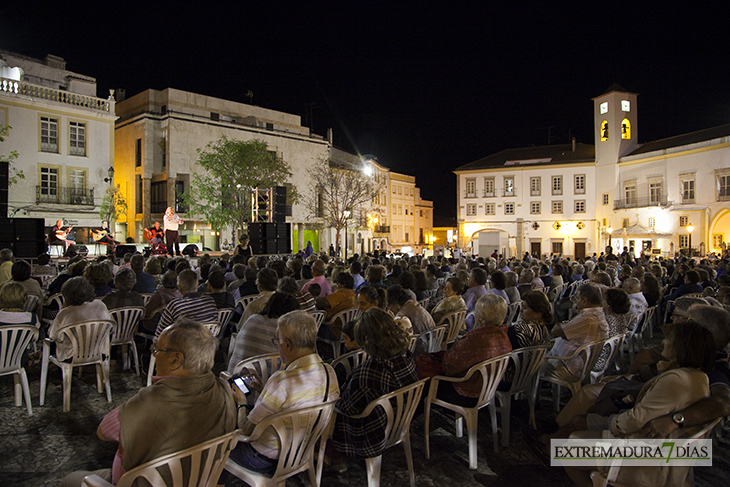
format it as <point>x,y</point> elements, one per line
<point>77,249</point>
<point>123,249</point>
<point>280,204</point>
<point>4,165</point>
<point>26,237</point>
<point>270,238</point>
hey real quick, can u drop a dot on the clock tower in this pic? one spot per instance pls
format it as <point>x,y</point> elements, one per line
<point>615,128</point>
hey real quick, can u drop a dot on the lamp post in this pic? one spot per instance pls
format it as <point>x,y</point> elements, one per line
<point>689,228</point>
<point>110,172</point>
<point>346,214</point>
<point>609,231</point>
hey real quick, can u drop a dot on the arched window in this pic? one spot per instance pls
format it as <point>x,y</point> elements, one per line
<point>625,129</point>
<point>604,131</point>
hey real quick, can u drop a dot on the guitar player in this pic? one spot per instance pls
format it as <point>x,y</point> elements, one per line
<point>59,236</point>
<point>104,236</point>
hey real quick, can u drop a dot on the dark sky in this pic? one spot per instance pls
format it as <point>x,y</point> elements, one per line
<point>425,89</point>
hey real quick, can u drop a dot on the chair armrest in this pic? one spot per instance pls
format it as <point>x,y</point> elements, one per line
<point>225,375</point>
<point>95,481</point>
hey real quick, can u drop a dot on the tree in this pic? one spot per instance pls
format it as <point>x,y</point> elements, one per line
<point>113,205</point>
<point>222,194</point>
<point>339,190</point>
<point>14,174</point>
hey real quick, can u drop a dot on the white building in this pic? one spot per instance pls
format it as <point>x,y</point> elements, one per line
<point>64,136</point>
<point>575,199</point>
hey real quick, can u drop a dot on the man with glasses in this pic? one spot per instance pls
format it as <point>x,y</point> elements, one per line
<point>186,404</point>
<point>305,382</point>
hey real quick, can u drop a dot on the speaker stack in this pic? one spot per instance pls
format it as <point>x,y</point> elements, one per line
<point>280,208</point>
<point>270,238</point>
<point>26,237</point>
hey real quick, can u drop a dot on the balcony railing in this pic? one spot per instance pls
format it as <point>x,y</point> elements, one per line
<point>489,194</point>
<point>640,202</point>
<point>381,229</point>
<point>60,96</point>
<point>723,195</point>
<point>510,192</point>
<point>64,196</point>
<point>470,194</point>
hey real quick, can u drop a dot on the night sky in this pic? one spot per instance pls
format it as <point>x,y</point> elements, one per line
<point>425,89</point>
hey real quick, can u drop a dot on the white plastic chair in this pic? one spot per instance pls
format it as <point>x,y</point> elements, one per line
<point>14,340</point>
<point>513,312</point>
<point>613,347</point>
<point>319,317</point>
<point>224,316</point>
<point>349,361</point>
<point>90,342</point>
<point>343,317</point>
<point>264,366</point>
<point>635,338</point>
<point>31,303</point>
<point>204,464</point>
<point>432,338</point>
<point>146,297</point>
<point>213,327</point>
<point>126,322</point>
<point>246,300</point>
<point>298,432</point>
<point>56,298</point>
<point>398,426</point>
<point>560,376</point>
<point>492,371</point>
<point>455,321</point>
<point>601,479</point>
<point>525,379</point>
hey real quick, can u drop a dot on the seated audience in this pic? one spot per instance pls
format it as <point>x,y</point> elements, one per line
<point>266,281</point>
<point>145,283</point>
<point>99,277</point>
<point>217,290</point>
<point>159,300</point>
<point>197,307</point>
<point>289,286</point>
<point>452,301</point>
<point>372,297</point>
<point>341,299</point>
<point>400,304</point>
<point>531,329</point>
<point>196,405</point>
<point>318,269</point>
<point>124,296</point>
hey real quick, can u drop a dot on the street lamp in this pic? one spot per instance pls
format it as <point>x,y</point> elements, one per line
<point>110,172</point>
<point>689,228</point>
<point>346,214</point>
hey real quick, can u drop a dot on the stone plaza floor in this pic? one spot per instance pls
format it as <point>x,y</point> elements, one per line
<point>40,450</point>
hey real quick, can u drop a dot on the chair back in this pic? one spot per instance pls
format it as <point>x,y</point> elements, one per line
<point>224,316</point>
<point>398,419</point>
<point>146,297</point>
<point>612,346</point>
<point>513,312</point>
<point>14,340</point>
<point>31,303</point>
<point>345,316</point>
<point>89,340</point>
<point>641,328</point>
<point>455,321</point>
<point>557,292</point>
<point>298,432</point>
<point>319,317</point>
<point>424,302</point>
<point>203,463</point>
<point>263,365</point>
<point>527,362</point>
<point>57,298</point>
<point>126,321</point>
<point>213,327</point>
<point>349,361</point>
<point>432,338</point>
<point>590,353</point>
<point>244,301</point>
<point>492,371</point>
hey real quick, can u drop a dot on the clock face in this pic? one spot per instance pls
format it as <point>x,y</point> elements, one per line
<point>604,107</point>
<point>625,105</point>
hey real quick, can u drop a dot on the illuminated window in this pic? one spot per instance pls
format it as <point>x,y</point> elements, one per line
<point>557,185</point>
<point>509,208</point>
<point>471,209</point>
<point>535,208</point>
<point>625,129</point>
<point>605,198</point>
<point>49,134</point>
<point>509,186</point>
<point>77,138</point>
<point>471,188</point>
<point>688,190</point>
<point>625,106</point>
<point>717,240</point>
<point>604,131</point>
<point>489,209</point>
<point>535,186</point>
<point>579,186</point>
<point>652,222</point>
<point>557,206</point>
<point>683,241</point>
<point>580,206</point>
<point>683,221</point>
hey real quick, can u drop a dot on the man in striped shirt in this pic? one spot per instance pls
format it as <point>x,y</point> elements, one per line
<point>305,382</point>
<point>192,305</point>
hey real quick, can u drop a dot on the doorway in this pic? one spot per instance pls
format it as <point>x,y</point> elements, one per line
<point>535,249</point>
<point>580,250</point>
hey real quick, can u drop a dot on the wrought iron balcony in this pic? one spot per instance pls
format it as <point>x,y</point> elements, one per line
<point>64,196</point>
<point>641,202</point>
<point>381,229</point>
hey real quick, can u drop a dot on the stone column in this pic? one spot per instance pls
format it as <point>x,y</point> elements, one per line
<point>520,236</point>
<point>300,236</point>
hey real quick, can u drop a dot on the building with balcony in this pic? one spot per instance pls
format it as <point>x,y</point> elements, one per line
<point>575,199</point>
<point>64,136</point>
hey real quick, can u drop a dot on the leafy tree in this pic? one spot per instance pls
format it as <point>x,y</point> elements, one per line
<point>113,205</point>
<point>222,194</point>
<point>15,174</point>
<point>340,192</point>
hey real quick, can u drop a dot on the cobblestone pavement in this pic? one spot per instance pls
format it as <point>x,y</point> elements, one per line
<point>40,450</point>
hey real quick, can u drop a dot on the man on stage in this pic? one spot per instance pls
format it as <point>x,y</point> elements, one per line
<point>171,221</point>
